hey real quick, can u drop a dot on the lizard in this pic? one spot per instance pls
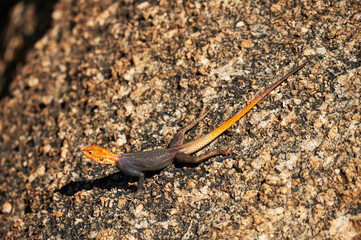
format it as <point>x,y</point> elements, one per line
<point>135,164</point>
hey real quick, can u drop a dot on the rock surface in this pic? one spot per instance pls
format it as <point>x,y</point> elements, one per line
<point>126,75</point>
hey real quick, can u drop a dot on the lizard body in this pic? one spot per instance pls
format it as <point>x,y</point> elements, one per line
<point>134,164</point>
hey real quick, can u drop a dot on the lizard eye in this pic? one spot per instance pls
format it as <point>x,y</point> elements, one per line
<point>90,152</point>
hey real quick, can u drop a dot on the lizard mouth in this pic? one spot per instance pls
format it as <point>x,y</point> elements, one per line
<point>100,155</point>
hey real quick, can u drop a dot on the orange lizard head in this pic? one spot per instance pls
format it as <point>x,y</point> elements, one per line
<point>100,155</point>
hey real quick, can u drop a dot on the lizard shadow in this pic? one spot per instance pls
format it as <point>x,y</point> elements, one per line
<point>114,180</point>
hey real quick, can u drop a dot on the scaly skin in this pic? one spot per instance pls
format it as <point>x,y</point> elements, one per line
<point>100,155</point>
<point>134,164</point>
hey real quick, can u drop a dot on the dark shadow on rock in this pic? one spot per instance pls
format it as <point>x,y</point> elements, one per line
<point>115,180</point>
<point>10,30</point>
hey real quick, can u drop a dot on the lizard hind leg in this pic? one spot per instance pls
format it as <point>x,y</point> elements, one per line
<point>178,139</point>
<point>186,158</point>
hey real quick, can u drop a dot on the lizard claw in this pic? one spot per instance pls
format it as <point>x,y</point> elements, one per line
<point>227,150</point>
<point>203,113</point>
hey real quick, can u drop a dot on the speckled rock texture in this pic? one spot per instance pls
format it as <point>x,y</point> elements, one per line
<point>126,75</point>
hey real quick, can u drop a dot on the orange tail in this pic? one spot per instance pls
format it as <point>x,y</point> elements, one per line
<point>201,142</point>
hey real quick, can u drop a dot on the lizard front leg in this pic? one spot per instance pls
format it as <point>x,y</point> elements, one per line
<point>134,173</point>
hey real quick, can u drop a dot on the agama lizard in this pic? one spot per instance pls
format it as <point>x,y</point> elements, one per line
<point>134,164</point>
